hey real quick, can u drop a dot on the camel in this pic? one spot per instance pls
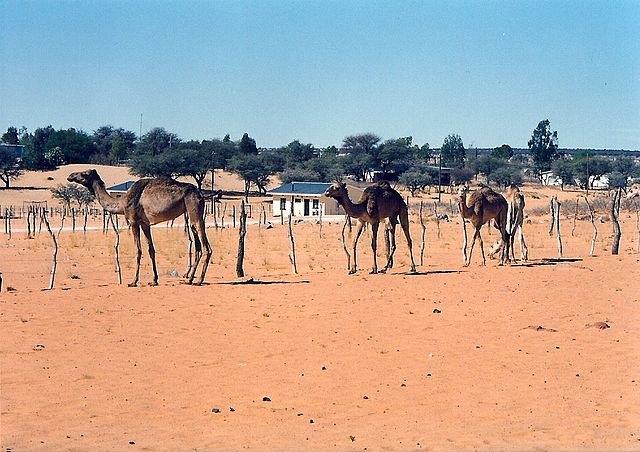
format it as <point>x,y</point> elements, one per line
<point>479,207</point>
<point>152,201</point>
<point>633,192</point>
<point>377,202</point>
<point>515,218</point>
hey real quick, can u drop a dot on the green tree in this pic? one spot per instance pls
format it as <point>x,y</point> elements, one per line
<point>220,150</point>
<point>395,155</point>
<point>156,141</point>
<point>543,146</point>
<point>415,179</point>
<point>112,145</point>
<point>487,164</point>
<point>9,166</point>
<point>452,151</point>
<point>247,145</point>
<point>617,180</point>
<point>595,167</point>
<point>504,152</point>
<point>424,154</point>
<point>296,153</point>
<point>461,175</point>
<point>255,169</point>
<point>505,175</point>
<point>361,150</point>
<point>36,148</point>
<point>564,169</point>
<point>75,145</point>
<point>10,136</point>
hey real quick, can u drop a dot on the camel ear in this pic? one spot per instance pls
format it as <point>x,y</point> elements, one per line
<point>343,185</point>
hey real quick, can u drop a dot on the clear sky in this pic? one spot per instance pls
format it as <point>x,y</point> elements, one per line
<point>320,70</point>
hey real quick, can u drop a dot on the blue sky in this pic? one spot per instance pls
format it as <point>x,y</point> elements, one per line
<point>320,70</point>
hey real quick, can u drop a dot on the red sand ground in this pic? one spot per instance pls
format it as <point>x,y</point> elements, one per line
<point>452,358</point>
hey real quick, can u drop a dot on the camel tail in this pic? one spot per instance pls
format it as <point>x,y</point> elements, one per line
<point>513,212</point>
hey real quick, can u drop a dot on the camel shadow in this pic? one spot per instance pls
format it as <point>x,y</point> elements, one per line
<point>261,282</point>
<point>545,261</point>
<point>431,272</point>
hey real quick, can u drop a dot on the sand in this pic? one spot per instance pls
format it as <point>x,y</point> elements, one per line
<point>542,355</point>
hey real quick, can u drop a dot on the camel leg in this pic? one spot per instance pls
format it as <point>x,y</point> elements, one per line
<point>198,256</point>
<point>152,253</point>
<point>200,229</point>
<point>392,249</point>
<point>355,246</point>
<point>387,243</point>
<point>374,247</point>
<point>404,222</point>
<point>135,229</point>
<point>506,241</point>
<point>476,234</point>
<point>524,251</point>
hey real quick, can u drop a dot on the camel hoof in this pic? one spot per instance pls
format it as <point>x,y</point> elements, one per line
<point>132,284</point>
<point>153,283</point>
<point>373,272</point>
<point>384,270</point>
<point>413,270</point>
<point>352,272</point>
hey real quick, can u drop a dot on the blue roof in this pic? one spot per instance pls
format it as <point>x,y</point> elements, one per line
<point>301,188</point>
<point>125,186</point>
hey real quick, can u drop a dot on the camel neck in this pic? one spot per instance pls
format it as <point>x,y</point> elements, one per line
<point>108,202</point>
<point>352,209</point>
<point>462,205</point>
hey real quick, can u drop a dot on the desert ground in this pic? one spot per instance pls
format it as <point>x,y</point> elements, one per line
<point>537,355</point>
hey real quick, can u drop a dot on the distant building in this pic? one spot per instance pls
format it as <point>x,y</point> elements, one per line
<point>120,188</point>
<point>17,149</point>
<point>306,199</point>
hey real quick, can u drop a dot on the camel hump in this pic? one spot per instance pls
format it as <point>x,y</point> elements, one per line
<point>135,192</point>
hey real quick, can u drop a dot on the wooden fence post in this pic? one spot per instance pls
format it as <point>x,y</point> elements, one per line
<point>292,255</point>
<point>615,219</point>
<point>422,237</point>
<point>575,217</point>
<point>54,259</point>
<point>595,229</point>
<point>116,247</point>
<point>435,211</point>
<point>241,235</point>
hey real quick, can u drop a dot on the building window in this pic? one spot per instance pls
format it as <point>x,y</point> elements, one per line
<point>283,204</point>
<point>316,203</point>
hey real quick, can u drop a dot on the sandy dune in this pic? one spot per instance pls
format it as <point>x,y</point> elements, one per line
<point>542,355</point>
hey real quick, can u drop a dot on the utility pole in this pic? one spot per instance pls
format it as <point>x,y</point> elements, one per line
<point>587,174</point>
<point>439,175</point>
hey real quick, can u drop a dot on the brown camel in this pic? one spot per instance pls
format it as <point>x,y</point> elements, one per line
<point>152,201</point>
<point>515,218</point>
<point>479,207</point>
<point>377,202</point>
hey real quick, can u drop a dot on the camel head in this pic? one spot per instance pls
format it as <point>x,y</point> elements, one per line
<point>85,178</point>
<point>336,190</point>
<point>462,191</point>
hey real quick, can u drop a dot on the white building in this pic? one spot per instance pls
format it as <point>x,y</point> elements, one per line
<point>306,199</point>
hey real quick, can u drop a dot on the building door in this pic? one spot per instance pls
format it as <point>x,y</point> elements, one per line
<point>306,208</point>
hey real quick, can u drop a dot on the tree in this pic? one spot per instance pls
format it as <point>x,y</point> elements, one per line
<point>617,180</point>
<point>9,166</point>
<point>296,153</point>
<point>503,152</point>
<point>487,164</point>
<point>564,169</point>
<point>156,141</point>
<point>221,151</point>
<point>36,148</point>
<point>452,151</point>
<point>255,169</point>
<point>424,153</point>
<point>247,145</point>
<point>75,145</point>
<point>415,179</point>
<point>506,175</point>
<point>112,145</point>
<point>543,146</point>
<point>10,136</point>
<point>461,175</point>
<point>395,155</point>
<point>299,174</point>
<point>361,151</point>
<point>595,167</point>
